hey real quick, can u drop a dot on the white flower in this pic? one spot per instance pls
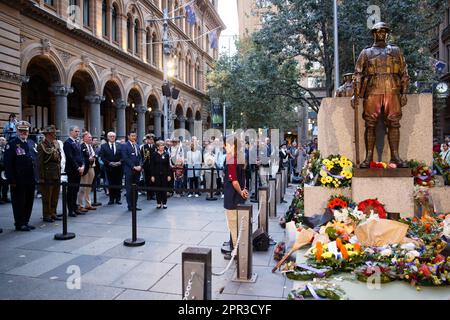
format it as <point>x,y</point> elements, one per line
<point>342,216</point>
<point>411,255</point>
<point>408,246</point>
<point>386,252</point>
<point>369,251</point>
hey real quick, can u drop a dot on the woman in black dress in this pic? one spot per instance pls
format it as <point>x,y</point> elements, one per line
<point>161,173</point>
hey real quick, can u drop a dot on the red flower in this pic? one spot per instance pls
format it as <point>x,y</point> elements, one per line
<point>426,272</point>
<point>439,258</point>
<point>373,165</point>
<point>373,204</point>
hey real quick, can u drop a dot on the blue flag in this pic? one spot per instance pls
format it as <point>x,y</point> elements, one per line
<point>190,15</point>
<point>440,66</point>
<point>213,40</point>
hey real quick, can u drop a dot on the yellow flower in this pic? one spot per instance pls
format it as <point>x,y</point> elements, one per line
<point>329,179</point>
<point>329,167</point>
<point>352,253</point>
<point>323,180</point>
<point>326,162</point>
<point>349,175</point>
<point>342,163</point>
<point>323,173</point>
<point>348,246</point>
<point>349,164</point>
<point>327,255</point>
<point>335,160</point>
<point>344,159</point>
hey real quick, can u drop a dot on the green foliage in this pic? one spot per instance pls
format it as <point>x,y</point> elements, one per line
<point>305,28</point>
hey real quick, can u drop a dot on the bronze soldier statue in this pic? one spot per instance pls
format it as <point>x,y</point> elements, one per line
<point>381,79</point>
<point>49,165</point>
<point>346,90</point>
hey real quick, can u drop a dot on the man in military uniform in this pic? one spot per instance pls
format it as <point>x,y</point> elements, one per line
<point>147,151</point>
<point>49,164</point>
<point>382,80</point>
<point>20,162</point>
<point>346,90</point>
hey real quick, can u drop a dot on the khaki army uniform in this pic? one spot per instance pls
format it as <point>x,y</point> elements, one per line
<point>49,164</point>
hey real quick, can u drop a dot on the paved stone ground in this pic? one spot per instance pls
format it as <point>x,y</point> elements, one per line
<point>34,266</point>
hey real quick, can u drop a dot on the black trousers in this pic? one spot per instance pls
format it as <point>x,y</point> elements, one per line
<point>193,184</point>
<point>3,190</point>
<point>72,191</point>
<point>22,198</point>
<point>161,182</point>
<point>114,179</point>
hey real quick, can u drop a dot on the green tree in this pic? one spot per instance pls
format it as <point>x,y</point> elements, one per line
<point>305,28</point>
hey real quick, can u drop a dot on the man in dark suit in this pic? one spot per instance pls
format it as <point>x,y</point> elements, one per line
<point>74,169</point>
<point>147,151</point>
<point>110,153</point>
<point>132,168</point>
<point>20,163</point>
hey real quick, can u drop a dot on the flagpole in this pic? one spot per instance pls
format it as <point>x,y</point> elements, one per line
<point>336,48</point>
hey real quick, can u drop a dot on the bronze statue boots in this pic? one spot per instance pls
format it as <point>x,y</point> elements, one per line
<point>394,141</point>
<point>370,144</point>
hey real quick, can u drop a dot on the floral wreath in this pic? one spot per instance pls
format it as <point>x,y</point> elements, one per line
<point>374,205</point>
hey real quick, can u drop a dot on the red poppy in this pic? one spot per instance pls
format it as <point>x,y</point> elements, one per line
<point>372,204</point>
<point>426,272</point>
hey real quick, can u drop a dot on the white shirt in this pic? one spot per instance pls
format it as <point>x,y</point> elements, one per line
<point>113,147</point>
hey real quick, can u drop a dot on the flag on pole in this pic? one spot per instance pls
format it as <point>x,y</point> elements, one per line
<point>213,39</point>
<point>190,15</point>
<point>440,66</point>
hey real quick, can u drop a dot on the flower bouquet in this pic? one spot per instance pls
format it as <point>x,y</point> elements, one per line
<point>279,251</point>
<point>423,176</point>
<point>442,167</point>
<point>304,272</point>
<point>338,256</point>
<point>296,209</point>
<point>378,165</point>
<point>383,271</point>
<point>428,228</point>
<point>311,168</point>
<point>338,202</point>
<point>336,172</point>
<point>433,273</point>
<point>372,205</point>
<point>318,290</point>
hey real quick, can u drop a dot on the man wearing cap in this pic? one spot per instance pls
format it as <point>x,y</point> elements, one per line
<point>382,80</point>
<point>147,151</point>
<point>20,163</point>
<point>346,90</point>
<point>49,164</point>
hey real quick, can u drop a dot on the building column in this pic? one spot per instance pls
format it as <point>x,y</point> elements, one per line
<point>121,105</point>
<point>141,110</point>
<point>61,92</point>
<point>95,123</point>
<point>157,114</point>
<point>191,126</point>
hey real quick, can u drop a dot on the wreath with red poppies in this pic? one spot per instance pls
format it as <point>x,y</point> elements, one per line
<point>373,204</point>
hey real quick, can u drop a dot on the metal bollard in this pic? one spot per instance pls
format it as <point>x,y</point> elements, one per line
<point>95,203</point>
<point>282,185</point>
<point>245,246</point>
<point>196,266</point>
<point>278,187</point>
<point>134,241</point>
<point>211,194</point>
<point>64,235</point>
<point>263,206</point>
<point>285,180</point>
<point>254,200</point>
<point>272,199</point>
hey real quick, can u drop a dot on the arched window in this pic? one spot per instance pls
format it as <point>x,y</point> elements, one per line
<point>129,33</point>
<point>197,77</point>
<point>148,46</point>
<point>154,49</point>
<point>104,18</point>
<point>86,12</point>
<point>114,23</point>
<point>136,36</point>
<point>180,67</point>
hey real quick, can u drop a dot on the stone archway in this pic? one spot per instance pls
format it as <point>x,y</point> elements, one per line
<point>190,121</point>
<point>154,116</point>
<point>39,103</point>
<point>113,99</point>
<point>180,119</point>
<point>135,114</point>
<point>84,104</point>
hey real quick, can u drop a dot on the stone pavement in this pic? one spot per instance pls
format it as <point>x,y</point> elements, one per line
<point>35,266</point>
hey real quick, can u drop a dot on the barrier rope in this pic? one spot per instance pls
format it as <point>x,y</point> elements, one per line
<point>234,252</point>
<point>187,292</point>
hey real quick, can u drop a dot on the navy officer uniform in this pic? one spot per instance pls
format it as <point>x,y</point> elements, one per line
<point>20,164</point>
<point>131,158</point>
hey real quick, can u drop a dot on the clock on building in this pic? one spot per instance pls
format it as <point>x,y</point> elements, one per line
<point>442,88</point>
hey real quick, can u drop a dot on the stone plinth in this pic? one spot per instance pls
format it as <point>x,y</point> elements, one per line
<point>316,198</point>
<point>441,199</point>
<point>336,129</point>
<point>395,193</point>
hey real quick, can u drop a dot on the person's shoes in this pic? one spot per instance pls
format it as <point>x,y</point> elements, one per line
<point>23,228</point>
<point>222,196</point>
<point>81,209</point>
<point>226,243</point>
<point>91,208</point>
<point>31,227</point>
<point>59,215</point>
<point>118,202</point>
<point>138,209</point>
<point>227,256</point>
<point>73,215</point>
<point>158,206</point>
<point>49,220</point>
<point>39,196</point>
<point>80,213</point>
<point>56,218</point>
<point>110,203</point>
<point>196,195</point>
<point>164,206</point>
<point>189,195</point>
<point>226,249</point>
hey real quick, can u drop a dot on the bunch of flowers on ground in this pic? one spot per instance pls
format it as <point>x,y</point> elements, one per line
<point>442,167</point>
<point>311,168</point>
<point>336,172</point>
<point>423,175</point>
<point>373,206</point>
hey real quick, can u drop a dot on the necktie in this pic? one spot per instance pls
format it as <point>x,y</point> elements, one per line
<point>113,149</point>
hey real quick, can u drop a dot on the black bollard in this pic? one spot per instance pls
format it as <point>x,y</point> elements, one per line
<point>95,203</point>
<point>255,199</point>
<point>65,235</point>
<point>134,241</point>
<point>211,193</point>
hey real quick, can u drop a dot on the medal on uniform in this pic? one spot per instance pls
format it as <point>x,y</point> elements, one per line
<point>20,151</point>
